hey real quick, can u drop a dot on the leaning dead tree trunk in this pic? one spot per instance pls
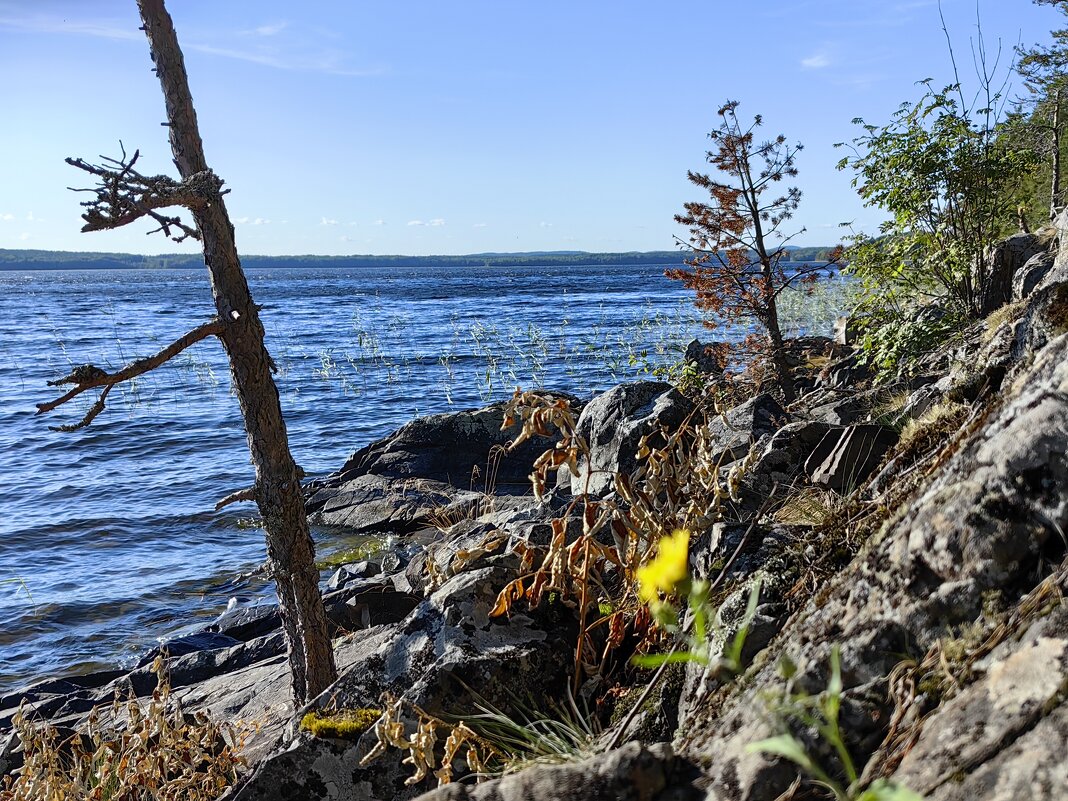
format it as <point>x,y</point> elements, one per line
<point>123,196</point>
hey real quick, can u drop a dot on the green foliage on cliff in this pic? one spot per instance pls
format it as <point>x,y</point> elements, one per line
<point>948,181</point>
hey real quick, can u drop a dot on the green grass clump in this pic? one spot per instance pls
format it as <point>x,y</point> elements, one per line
<point>345,724</point>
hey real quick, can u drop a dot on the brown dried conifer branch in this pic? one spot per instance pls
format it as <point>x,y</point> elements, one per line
<point>88,376</point>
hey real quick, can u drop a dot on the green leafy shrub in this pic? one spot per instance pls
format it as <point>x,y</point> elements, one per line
<point>892,346</point>
<point>948,180</point>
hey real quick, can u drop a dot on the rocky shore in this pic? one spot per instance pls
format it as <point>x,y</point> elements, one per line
<point>914,531</point>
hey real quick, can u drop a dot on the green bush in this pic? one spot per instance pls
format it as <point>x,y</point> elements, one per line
<point>948,180</point>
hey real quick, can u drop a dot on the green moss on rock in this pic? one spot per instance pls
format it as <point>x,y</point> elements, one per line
<point>345,724</point>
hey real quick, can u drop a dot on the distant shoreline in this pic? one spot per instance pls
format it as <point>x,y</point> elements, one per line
<point>13,260</point>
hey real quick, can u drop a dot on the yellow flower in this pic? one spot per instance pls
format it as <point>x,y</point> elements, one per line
<point>668,568</point>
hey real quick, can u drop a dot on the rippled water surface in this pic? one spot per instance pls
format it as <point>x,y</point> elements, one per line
<point>107,538</point>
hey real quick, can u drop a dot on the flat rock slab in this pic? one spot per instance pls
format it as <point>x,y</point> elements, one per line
<point>845,457</point>
<point>374,504</point>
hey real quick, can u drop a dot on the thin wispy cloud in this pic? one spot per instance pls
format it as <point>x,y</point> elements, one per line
<point>266,30</point>
<point>816,61</point>
<point>7,217</point>
<point>329,62</point>
<point>415,223</point>
<point>379,222</point>
<point>436,223</point>
<point>293,52</point>
<point>38,23</point>
<point>479,225</point>
<point>327,221</point>
<point>545,225</point>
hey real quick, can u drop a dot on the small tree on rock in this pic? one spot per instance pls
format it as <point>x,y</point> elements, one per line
<point>123,196</point>
<point>736,237</point>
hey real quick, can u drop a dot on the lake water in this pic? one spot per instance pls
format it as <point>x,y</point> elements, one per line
<point>107,536</point>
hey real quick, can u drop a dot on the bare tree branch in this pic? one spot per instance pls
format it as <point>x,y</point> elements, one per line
<point>125,195</point>
<point>88,376</point>
<point>236,497</point>
<point>96,409</point>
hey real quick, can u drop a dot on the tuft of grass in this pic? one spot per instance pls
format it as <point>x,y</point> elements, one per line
<point>937,422</point>
<point>999,317</point>
<point>810,506</point>
<point>528,736</point>
<point>130,751</point>
<point>888,409</point>
<point>345,724</point>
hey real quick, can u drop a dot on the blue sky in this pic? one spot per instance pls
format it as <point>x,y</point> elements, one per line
<point>469,126</point>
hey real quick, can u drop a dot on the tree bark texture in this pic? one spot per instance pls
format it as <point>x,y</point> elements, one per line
<point>290,551</point>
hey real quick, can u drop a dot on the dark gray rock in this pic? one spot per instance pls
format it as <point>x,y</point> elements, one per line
<point>841,410</point>
<point>346,574</point>
<point>781,462</point>
<point>188,644</point>
<point>631,773</point>
<point>374,504</point>
<point>614,422</point>
<point>845,457</point>
<point>248,622</point>
<point>1031,274</point>
<point>1003,263</point>
<point>452,449</point>
<point>702,357</point>
<point>738,429</point>
<point>366,603</point>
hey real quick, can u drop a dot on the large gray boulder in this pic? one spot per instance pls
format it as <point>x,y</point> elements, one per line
<point>1031,274</point>
<point>376,504</point>
<point>612,425</point>
<point>981,531</point>
<point>460,449</point>
<point>738,429</point>
<point>1004,261</point>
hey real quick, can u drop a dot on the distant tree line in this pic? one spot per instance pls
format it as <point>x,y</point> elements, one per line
<point>64,260</point>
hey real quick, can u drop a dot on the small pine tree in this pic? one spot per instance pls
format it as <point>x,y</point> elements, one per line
<point>736,237</point>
